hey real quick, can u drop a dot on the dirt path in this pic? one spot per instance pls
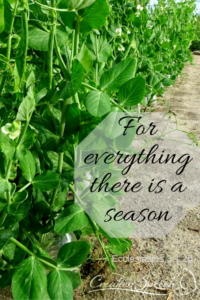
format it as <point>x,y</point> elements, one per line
<point>180,249</point>
<point>183,98</point>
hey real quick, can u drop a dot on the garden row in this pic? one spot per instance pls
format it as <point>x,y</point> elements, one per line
<point>64,66</point>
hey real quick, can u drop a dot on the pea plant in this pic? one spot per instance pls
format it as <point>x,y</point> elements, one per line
<point>65,65</point>
<point>159,37</point>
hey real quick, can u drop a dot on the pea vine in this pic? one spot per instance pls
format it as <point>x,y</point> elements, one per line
<point>65,65</point>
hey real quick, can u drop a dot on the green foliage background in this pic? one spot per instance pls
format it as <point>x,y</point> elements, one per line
<point>65,65</point>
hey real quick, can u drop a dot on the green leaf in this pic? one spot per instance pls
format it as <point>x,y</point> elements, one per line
<point>40,201</point>
<point>68,18</point>
<point>7,15</point>
<point>1,16</point>
<point>73,118</point>
<point>18,199</point>
<point>115,77</point>
<point>9,248</point>
<point>158,67</point>
<point>119,246</point>
<point>111,123</point>
<point>98,211</point>
<point>168,82</point>
<point>70,219</point>
<point>85,3</point>
<point>165,45</point>
<point>70,88</point>
<point>60,286</point>
<point>4,185</point>
<point>47,181</point>
<point>7,146</point>
<point>59,201</point>
<point>97,103</point>
<point>29,280</point>
<point>75,4</point>
<point>99,48</point>
<point>26,143</point>
<point>94,16</point>
<point>26,108</point>
<point>30,82</point>
<point>39,39</point>
<point>5,235</point>
<point>44,127</point>
<point>73,254</point>
<point>41,94</point>
<point>132,92</point>
<point>20,214</point>
<point>3,203</point>
<point>75,279</point>
<point>85,58</point>
<point>27,165</point>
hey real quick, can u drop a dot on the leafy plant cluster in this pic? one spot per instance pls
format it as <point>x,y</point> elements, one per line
<point>63,69</point>
<point>159,36</point>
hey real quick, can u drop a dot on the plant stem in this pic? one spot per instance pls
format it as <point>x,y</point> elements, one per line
<point>96,73</point>
<point>61,61</point>
<point>127,51</point>
<point>72,53</point>
<point>51,45</point>
<point>76,49</point>
<point>96,65</point>
<point>25,36</point>
<point>22,189</point>
<point>61,155</point>
<point>8,52</point>
<point>98,236</point>
<point>76,39</point>
<point>21,246</point>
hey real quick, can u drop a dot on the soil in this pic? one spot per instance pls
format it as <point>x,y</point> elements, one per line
<point>177,271</point>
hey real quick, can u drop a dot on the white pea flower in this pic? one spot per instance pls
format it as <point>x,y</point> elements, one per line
<point>119,31</point>
<point>139,7</point>
<point>137,14</point>
<point>12,129</point>
<point>161,8</point>
<point>121,48</point>
<point>174,46</point>
<point>123,41</point>
<point>128,32</point>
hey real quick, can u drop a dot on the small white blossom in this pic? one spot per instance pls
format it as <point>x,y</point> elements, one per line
<point>174,46</point>
<point>139,7</point>
<point>128,32</point>
<point>13,130</point>
<point>137,14</point>
<point>121,48</point>
<point>119,31</point>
